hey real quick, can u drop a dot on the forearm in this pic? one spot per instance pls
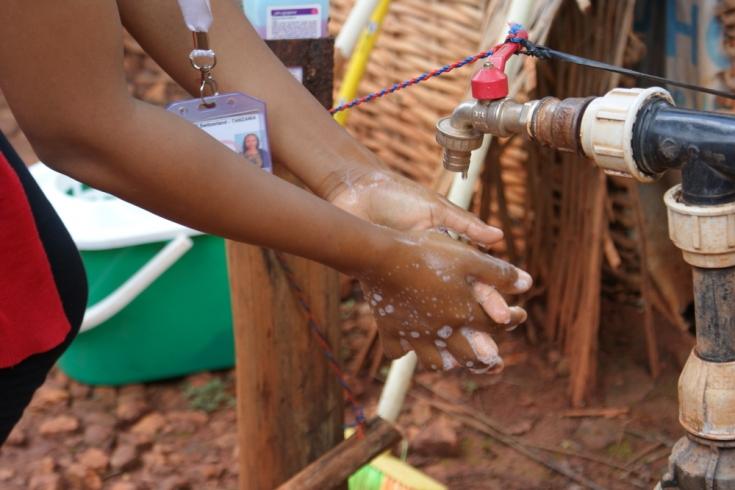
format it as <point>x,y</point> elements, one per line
<point>167,165</point>
<point>65,85</point>
<point>303,135</point>
<point>67,90</point>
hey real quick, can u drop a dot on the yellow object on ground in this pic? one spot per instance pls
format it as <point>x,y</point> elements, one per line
<point>388,473</point>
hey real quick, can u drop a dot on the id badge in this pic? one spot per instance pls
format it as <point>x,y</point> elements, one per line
<point>237,120</point>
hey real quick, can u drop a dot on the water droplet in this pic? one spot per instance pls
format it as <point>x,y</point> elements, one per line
<point>482,345</point>
<point>448,360</point>
<point>445,332</point>
<point>389,309</point>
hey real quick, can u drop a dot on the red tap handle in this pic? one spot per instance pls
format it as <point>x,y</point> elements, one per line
<point>491,83</point>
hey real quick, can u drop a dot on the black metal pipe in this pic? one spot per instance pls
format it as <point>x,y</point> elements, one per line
<point>714,311</point>
<point>701,143</point>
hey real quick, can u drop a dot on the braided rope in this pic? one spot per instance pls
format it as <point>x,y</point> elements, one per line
<point>413,81</point>
<point>324,346</point>
<point>514,29</point>
<point>529,49</point>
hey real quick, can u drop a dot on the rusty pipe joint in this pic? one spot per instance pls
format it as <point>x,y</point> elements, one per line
<point>556,123</point>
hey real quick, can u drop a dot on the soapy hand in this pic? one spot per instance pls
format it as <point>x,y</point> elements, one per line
<point>429,296</point>
<point>386,198</point>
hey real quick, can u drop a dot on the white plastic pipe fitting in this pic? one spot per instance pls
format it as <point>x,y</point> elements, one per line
<point>607,129</point>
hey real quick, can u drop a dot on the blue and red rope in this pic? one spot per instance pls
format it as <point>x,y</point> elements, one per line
<point>514,29</point>
<point>413,81</point>
<point>529,49</point>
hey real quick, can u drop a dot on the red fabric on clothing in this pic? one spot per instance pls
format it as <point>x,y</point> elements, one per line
<point>32,318</point>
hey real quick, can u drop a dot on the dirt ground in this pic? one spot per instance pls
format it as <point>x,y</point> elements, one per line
<point>180,434</point>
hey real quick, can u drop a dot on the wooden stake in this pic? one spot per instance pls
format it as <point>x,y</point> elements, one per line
<point>289,405</point>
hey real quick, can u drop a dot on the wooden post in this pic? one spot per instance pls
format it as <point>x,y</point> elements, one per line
<point>289,404</point>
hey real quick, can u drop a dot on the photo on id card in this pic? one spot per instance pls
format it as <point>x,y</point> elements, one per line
<point>238,121</point>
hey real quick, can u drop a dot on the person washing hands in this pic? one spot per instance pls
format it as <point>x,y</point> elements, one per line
<point>63,79</point>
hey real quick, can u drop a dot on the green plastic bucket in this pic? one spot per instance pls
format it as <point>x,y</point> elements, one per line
<point>159,303</point>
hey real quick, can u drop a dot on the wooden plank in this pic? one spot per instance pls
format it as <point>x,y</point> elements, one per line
<point>337,465</point>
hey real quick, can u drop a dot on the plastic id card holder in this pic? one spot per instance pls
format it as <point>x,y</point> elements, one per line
<point>237,120</point>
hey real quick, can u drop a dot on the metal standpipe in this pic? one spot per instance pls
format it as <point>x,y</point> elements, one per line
<point>639,133</point>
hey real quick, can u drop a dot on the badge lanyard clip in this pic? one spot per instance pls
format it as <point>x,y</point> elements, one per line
<point>204,59</point>
<point>198,17</point>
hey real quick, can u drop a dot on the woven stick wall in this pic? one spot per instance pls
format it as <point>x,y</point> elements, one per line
<point>571,200</point>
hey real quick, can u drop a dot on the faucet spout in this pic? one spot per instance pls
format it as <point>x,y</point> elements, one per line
<point>462,132</point>
<point>462,115</point>
<point>457,135</point>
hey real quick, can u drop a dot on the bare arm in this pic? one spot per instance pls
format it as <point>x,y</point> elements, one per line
<point>62,77</point>
<point>66,87</point>
<point>303,135</point>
